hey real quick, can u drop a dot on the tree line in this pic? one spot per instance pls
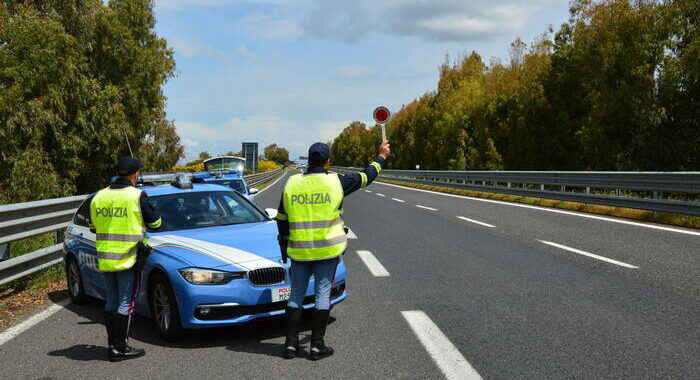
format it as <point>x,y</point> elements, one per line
<point>80,85</point>
<point>617,87</point>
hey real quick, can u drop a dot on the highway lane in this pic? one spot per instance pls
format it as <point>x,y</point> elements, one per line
<point>510,305</point>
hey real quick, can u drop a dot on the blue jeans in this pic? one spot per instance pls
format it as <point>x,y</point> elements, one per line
<point>324,275</point>
<point>121,289</point>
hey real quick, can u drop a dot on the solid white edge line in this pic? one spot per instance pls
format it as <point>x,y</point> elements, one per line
<point>14,331</point>
<point>380,194</point>
<point>584,253</point>
<point>447,357</point>
<point>476,221</point>
<point>273,183</point>
<point>398,200</point>
<point>373,264</point>
<point>351,235</point>
<point>427,208</point>
<point>582,215</point>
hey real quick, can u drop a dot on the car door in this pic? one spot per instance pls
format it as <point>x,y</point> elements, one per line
<point>84,248</point>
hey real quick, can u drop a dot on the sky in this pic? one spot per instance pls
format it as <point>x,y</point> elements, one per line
<point>294,72</point>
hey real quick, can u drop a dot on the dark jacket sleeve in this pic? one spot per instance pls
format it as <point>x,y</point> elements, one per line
<point>355,181</point>
<point>282,220</point>
<point>149,214</point>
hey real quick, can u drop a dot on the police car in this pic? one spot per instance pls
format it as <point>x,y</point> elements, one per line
<point>227,171</point>
<point>215,259</point>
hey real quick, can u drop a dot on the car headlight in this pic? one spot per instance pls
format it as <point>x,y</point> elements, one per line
<point>200,276</point>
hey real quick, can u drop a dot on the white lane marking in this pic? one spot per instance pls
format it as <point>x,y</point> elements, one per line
<point>380,194</point>
<point>580,252</point>
<point>373,264</point>
<point>367,191</point>
<point>427,208</point>
<point>398,200</point>
<point>13,331</point>
<point>447,357</point>
<point>351,235</point>
<point>273,183</point>
<point>477,222</point>
<point>582,215</point>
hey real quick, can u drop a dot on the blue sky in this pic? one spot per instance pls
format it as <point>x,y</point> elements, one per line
<point>294,72</point>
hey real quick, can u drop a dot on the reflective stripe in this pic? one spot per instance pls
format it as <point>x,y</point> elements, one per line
<point>363,176</point>
<point>156,224</point>
<point>120,237</point>
<point>315,224</point>
<point>281,217</point>
<point>114,255</point>
<point>318,243</point>
<point>377,166</point>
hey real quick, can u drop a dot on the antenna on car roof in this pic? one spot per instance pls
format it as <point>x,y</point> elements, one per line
<point>127,142</point>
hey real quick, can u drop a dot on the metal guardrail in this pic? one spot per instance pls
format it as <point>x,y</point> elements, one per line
<point>24,220</point>
<point>637,190</point>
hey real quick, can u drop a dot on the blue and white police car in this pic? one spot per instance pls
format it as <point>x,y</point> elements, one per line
<point>215,260</point>
<point>227,171</point>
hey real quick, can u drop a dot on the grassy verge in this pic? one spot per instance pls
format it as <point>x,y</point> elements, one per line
<point>22,297</point>
<point>627,213</point>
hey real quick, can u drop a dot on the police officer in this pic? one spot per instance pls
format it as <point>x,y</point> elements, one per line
<point>119,214</point>
<point>313,235</point>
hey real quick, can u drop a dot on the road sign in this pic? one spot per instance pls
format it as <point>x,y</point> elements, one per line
<point>382,116</point>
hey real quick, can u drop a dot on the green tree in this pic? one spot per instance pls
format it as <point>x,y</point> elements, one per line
<point>276,154</point>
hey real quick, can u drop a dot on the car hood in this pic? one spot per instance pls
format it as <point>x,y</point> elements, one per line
<point>246,246</point>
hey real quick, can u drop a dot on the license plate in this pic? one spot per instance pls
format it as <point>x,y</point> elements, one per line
<point>281,294</point>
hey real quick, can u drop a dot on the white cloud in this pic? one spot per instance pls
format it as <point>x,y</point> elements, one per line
<point>436,20</point>
<point>193,47</point>
<point>354,71</point>
<point>185,4</point>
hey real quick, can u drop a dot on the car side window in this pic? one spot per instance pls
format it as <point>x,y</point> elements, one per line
<point>82,217</point>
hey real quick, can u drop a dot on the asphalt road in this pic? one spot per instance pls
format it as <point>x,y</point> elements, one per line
<point>493,298</point>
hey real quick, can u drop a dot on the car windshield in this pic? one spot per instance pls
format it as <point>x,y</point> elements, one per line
<point>204,209</point>
<point>235,184</point>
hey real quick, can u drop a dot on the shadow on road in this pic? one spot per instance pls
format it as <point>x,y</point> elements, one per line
<point>249,338</point>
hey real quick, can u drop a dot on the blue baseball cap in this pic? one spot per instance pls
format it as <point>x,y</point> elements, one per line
<point>319,153</point>
<point>128,166</point>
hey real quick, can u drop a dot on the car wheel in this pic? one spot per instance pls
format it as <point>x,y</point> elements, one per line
<point>74,281</point>
<point>164,308</point>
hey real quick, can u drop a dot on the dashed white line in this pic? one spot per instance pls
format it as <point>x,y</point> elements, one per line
<point>380,194</point>
<point>580,252</point>
<point>447,357</point>
<point>373,264</point>
<point>427,208</point>
<point>13,331</point>
<point>398,200</point>
<point>582,215</point>
<point>477,222</point>
<point>367,191</point>
<point>351,235</point>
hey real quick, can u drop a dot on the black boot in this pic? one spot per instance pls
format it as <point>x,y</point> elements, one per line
<point>109,325</point>
<point>319,350</point>
<point>292,320</point>
<point>121,350</point>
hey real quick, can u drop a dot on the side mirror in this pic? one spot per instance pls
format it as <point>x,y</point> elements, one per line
<point>271,212</point>
<point>253,191</point>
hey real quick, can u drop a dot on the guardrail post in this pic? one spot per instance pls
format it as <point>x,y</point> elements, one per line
<point>59,236</point>
<point>4,252</point>
<point>542,187</point>
<point>588,189</point>
<point>563,188</point>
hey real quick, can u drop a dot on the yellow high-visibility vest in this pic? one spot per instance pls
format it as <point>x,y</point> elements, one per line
<point>116,216</point>
<point>316,228</point>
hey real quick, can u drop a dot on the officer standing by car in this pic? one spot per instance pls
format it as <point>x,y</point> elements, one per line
<point>119,214</point>
<point>313,235</point>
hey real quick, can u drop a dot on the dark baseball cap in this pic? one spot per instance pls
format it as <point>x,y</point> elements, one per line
<point>319,153</point>
<point>128,166</point>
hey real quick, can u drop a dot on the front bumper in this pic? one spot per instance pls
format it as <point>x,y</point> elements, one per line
<point>238,302</point>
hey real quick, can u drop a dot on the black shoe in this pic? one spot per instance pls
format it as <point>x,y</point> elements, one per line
<point>292,320</point>
<point>121,349</point>
<point>117,355</point>
<point>109,325</point>
<point>319,350</point>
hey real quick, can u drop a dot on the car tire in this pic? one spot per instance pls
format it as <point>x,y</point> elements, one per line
<point>164,309</point>
<point>74,281</point>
